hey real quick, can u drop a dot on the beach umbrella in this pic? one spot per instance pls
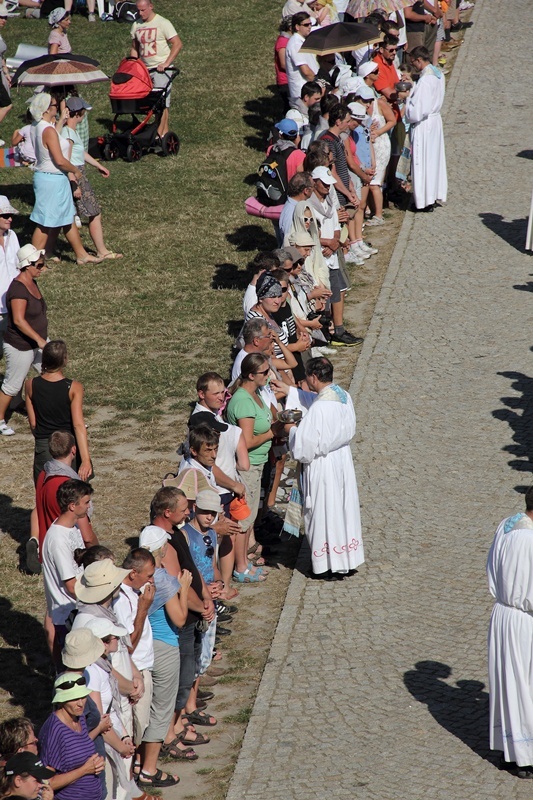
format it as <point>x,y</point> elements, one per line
<point>340,38</point>
<point>58,70</point>
<point>362,8</point>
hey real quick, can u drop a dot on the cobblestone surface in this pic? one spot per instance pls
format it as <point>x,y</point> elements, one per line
<point>376,686</point>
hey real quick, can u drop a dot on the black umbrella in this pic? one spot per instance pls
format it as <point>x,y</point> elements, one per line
<point>58,70</point>
<point>340,38</point>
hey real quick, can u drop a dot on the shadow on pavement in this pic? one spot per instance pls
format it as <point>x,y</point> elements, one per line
<point>518,413</point>
<point>514,233</point>
<point>462,709</point>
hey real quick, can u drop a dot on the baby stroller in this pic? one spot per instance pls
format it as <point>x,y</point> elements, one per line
<point>132,93</point>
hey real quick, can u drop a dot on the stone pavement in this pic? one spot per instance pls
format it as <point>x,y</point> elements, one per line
<point>376,686</point>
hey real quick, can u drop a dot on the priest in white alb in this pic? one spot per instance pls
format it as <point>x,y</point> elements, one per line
<point>422,112</point>
<point>321,443</point>
<point>510,574</point>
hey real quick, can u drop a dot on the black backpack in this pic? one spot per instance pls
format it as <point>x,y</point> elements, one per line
<point>272,182</point>
<point>125,11</point>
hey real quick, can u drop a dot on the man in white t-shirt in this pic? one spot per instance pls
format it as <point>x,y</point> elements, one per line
<point>9,246</point>
<point>131,609</point>
<point>60,570</point>
<point>300,67</point>
<point>156,43</point>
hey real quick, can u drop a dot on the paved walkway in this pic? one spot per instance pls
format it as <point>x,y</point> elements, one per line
<point>376,686</point>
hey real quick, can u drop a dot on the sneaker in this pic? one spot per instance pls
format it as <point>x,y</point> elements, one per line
<point>92,18</point>
<point>376,221</point>
<point>5,430</point>
<point>216,672</point>
<point>324,351</point>
<point>352,258</point>
<point>359,251</point>
<point>346,340</point>
<point>368,248</point>
<point>77,221</point>
<point>32,556</point>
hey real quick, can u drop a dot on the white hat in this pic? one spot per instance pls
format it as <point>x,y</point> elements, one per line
<point>28,255</point>
<point>101,627</point>
<point>365,92</point>
<point>55,16</point>
<point>153,538</point>
<point>36,90</point>
<point>5,206</point>
<point>81,649</point>
<point>208,500</point>
<point>352,85</point>
<point>358,111</point>
<point>323,174</point>
<point>4,11</point>
<point>99,580</point>
<point>366,68</point>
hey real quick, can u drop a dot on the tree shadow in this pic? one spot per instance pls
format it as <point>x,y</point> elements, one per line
<point>514,233</point>
<point>251,237</point>
<point>518,413</point>
<point>229,276</point>
<point>525,154</point>
<point>462,709</point>
<point>25,671</point>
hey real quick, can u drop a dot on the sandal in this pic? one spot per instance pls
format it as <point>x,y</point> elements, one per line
<point>110,256</point>
<point>200,738</point>
<point>200,718</point>
<point>136,769</point>
<point>156,780</point>
<point>171,750</point>
<point>89,260</point>
<point>248,576</point>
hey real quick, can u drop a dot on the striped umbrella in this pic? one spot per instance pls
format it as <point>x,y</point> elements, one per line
<point>362,8</point>
<point>58,70</point>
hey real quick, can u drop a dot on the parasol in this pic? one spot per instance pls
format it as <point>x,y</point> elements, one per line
<point>362,8</point>
<point>340,38</point>
<point>58,70</point>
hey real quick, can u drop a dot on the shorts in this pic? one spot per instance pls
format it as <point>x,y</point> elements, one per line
<point>337,285</point>
<point>252,481</point>
<point>5,99</point>
<point>18,363</point>
<point>440,30</point>
<point>141,709</point>
<point>160,81</point>
<point>452,9</point>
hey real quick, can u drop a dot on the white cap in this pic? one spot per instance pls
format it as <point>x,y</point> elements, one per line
<point>365,92</point>
<point>153,538</point>
<point>323,174</point>
<point>102,627</point>
<point>366,68</point>
<point>5,206</point>
<point>358,111</point>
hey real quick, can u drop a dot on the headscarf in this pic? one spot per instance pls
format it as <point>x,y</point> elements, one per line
<point>268,286</point>
<point>315,263</point>
<point>39,104</point>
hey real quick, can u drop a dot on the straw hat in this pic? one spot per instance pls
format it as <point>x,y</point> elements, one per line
<point>81,649</point>
<point>99,580</point>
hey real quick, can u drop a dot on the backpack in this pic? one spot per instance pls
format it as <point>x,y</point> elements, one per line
<point>272,181</point>
<point>125,11</point>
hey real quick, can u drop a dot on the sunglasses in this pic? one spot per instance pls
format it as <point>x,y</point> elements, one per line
<point>6,216</point>
<point>263,372</point>
<point>306,25</point>
<point>284,289</point>
<point>71,684</point>
<point>308,219</point>
<point>32,743</point>
<point>209,550</point>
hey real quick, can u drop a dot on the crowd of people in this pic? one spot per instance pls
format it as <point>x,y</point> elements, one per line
<point>134,644</point>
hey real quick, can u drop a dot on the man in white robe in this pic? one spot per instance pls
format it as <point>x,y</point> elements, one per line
<point>510,575</point>
<point>422,112</point>
<point>321,443</point>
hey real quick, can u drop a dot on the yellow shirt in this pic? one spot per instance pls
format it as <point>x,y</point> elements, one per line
<point>152,38</point>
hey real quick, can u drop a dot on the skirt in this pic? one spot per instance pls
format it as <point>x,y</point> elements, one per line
<point>87,205</point>
<point>54,206</point>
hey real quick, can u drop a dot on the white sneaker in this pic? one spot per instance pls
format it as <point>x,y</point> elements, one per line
<point>367,248</point>
<point>92,18</point>
<point>2,143</point>
<point>77,221</point>
<point>5,430</point>
<point>352,258</point>
<point>375,221</point>
<point>325,351</point>
<point>360,252</point>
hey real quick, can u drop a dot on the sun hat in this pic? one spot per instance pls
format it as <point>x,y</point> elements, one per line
<point>239,508</point>
<point>366,68</point>
<point>55,16</point>
<point>27,764</point>
<point>287,126</point>
<point>70,686</point>
<point>303,238</point>
<point>102,627</point>
<point>99,580</point>
<point>207,418</point>
<point>28,255</point>
<point>357,111</point>
<point>323,174</point>
<point>365,92</point>
<point>78,104</point>
<point>208,500</point>
<point>153,538</point>
<point>5,205</point>
<point>82,648</point>
<point>190,481</point>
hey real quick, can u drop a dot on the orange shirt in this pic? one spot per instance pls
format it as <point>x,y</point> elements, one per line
<point>388,76</point>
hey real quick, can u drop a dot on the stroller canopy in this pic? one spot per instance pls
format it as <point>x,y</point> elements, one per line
<point>131,81</point>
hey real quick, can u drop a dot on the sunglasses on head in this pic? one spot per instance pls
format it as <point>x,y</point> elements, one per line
<point>81,681</point>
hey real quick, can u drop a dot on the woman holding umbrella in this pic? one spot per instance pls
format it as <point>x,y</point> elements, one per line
<point>54,208</point>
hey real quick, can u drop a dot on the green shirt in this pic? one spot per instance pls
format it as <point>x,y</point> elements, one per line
<point>242,405</point>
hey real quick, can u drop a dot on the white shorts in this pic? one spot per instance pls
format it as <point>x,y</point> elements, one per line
<point>160,81</point>
<point>18,363</point>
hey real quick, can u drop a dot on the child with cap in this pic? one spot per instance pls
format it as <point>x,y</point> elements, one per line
<point>25,777</point>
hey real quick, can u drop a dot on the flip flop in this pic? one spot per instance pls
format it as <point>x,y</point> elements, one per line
<point>111,256</point>
<point>200,718</point>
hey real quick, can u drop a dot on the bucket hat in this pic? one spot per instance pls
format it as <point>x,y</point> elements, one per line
<point>70,686</point>
<point>99,580</point>
<point>102,627</point>
<point>82,648</point>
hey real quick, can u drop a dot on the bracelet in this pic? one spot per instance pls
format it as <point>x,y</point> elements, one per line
<point>125,737</point>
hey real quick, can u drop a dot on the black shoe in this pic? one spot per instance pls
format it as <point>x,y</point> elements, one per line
<point>223,631</point>
<point>32,556</point>
<point>460,26</point>
<point>345,340</point>
<point>223,608</point>
<point>207,695</point>
<point>224,617</point>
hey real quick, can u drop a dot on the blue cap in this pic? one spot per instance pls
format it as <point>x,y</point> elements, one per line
<point>287,126</point>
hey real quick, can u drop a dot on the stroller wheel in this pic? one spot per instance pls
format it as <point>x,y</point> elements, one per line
<point>170,144</point>
<point>111,151</point>
<point>134,151</point>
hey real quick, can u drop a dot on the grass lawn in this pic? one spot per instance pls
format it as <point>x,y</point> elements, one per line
<point>141,329</point>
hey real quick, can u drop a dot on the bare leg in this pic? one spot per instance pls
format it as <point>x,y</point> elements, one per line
<point>226,558</point>
<point>337,312</point>
<point>4,112</point>
<point>41,238</point>
<point>73,238</point>
<point>97,235</point>
<point>241,551</point>
<point>271,500</point>
<point>163,125</point>
<point>377,196</point>
<point>5,400</point>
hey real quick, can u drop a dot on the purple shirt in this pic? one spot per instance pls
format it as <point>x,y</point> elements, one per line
<point>64,750</point>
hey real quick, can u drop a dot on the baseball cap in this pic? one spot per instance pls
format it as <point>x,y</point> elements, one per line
<point>358,111</point>
<point>365,92</point>
<point>57,15</point>
<point>207,418</point>
<point>27,763</point>
<point>366,68</point>
<point>208,500</point>
<point>153,538</point>
<point>77,104</point>
<point>323,174</point>
<point>287,126</point>
<point>102,627</point>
